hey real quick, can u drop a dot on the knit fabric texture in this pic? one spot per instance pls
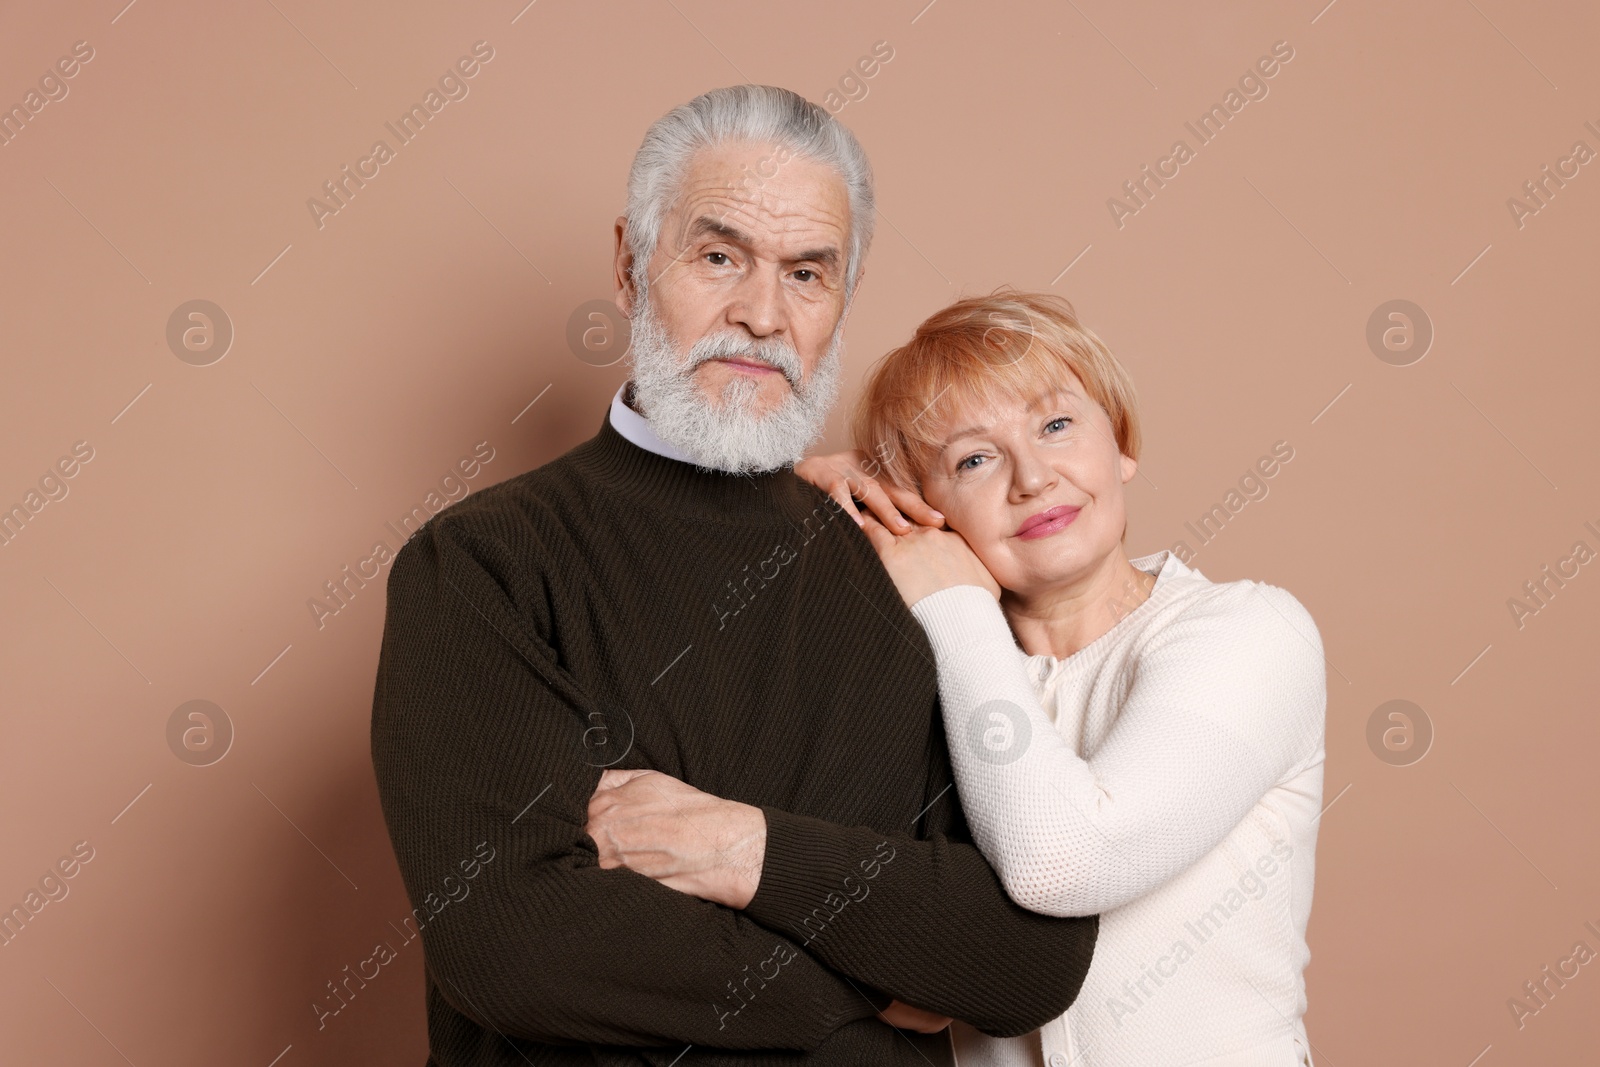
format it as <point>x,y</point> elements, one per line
<point>1167,776</point>
<point>618,608</point>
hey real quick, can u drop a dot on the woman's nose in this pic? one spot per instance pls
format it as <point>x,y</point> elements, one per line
<point>1032,476</point>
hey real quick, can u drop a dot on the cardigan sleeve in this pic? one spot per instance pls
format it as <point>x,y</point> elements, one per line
<point>477,743</point>
<point>1223,701</point>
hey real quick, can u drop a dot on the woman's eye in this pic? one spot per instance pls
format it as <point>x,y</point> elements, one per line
<point>970,463</point>
<point>1061,422</point>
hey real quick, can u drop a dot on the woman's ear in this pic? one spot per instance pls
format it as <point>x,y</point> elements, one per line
<point>1129,467</point>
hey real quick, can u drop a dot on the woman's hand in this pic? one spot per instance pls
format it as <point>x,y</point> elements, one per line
<point>843,476</point>
<point>926,560</point>
<point>685,839</point>
<point>905,1017</point>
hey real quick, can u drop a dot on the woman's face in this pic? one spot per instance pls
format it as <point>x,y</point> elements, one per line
<point>1036,489</point>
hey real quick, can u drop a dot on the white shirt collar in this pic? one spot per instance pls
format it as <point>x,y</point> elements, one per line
<point>636,428</point>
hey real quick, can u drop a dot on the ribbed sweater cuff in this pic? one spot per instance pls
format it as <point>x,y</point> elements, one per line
<point>961,617</point>
<point>806,860</point>
<point>809,860</point>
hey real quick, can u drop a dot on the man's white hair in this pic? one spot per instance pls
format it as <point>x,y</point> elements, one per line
<point>763,114</point>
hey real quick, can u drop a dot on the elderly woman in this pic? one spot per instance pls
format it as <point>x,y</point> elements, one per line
<point>1153,751</point>
<point>1129,738</point>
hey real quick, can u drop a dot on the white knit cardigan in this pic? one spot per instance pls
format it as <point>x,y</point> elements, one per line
<point>1168,777</point>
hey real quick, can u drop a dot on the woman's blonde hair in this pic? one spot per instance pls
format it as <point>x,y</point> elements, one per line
<point>1009,344</point>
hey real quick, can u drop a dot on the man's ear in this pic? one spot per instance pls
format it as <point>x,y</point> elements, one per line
<point>622,269</point>
<point>861,277</point>
<point>850,301</point>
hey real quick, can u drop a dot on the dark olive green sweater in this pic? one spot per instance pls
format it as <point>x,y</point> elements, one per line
<point>619,608</point>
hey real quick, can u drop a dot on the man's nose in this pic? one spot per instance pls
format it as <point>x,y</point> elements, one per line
<point>760,305</point>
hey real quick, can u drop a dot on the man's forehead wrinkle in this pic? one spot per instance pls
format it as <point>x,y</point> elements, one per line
<point>766,200</point>
<point>803,223</point>
<point>714,178</point>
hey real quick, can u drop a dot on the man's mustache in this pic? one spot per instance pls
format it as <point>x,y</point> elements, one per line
<point>779,355</point>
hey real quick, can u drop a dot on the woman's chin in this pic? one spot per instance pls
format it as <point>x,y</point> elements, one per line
<point>1029,586</point>
<point>1046,576</point>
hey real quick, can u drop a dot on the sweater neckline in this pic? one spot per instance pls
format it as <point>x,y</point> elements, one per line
<point>776,497</point>
<point>1166,567</point>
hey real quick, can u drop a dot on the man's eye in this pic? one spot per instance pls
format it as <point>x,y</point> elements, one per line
<point>709,255</point>
<point>809,274</point>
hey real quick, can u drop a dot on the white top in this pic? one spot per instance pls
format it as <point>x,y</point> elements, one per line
<point>636,428</point>
<point>1168,777</point>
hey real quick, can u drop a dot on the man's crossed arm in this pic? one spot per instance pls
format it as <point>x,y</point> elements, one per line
<point>476,735</point>
<point>710,848</point>
<point>940,937</point>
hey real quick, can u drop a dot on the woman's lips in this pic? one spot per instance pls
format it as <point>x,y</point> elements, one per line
<point>1048,522</point>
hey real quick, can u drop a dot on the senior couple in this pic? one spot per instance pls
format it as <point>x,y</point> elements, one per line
<point>886,757</point>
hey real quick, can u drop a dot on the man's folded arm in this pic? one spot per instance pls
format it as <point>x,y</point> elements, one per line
<point>927,921</point>
<point>478,746</point>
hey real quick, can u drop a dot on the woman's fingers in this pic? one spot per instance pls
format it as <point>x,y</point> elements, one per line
<point>843,477</point>
<point>882,540</point>
<point>832,474</point>
<point>879,503</point>
<point>913,505</point>
<point>840,492</point>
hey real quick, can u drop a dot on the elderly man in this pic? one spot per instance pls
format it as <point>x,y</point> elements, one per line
<point>665,635</point>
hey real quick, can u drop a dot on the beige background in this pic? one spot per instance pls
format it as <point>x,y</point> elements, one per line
<point>426,316</point>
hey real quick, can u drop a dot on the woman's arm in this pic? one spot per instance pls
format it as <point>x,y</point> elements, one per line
<point>1223,702</point>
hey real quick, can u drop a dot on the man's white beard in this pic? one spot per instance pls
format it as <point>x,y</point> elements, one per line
<point>730,436</point>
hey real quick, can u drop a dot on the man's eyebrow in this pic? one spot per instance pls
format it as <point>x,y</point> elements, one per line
<point>705,225</point>
<point>828,257</point>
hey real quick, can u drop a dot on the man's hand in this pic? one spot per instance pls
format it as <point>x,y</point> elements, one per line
<point>905,1017</point>
<point>668,830</point>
